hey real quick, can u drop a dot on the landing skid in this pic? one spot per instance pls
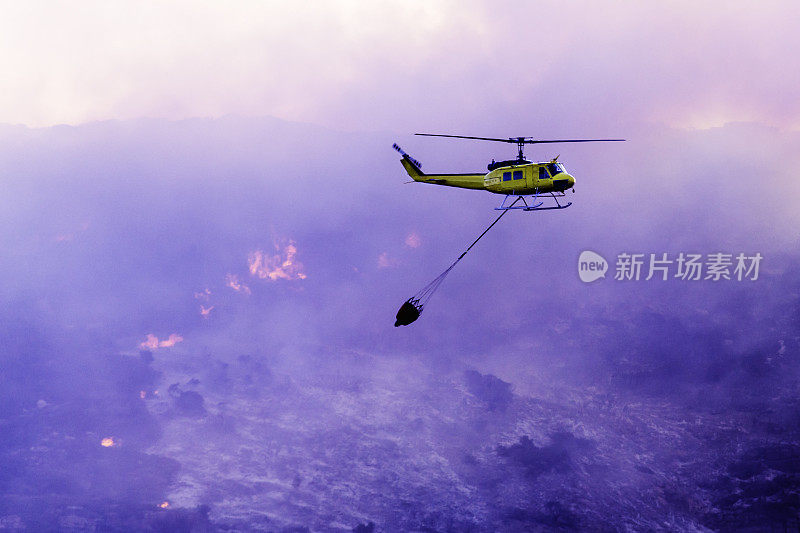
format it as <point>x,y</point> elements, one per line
<point>535,202</point>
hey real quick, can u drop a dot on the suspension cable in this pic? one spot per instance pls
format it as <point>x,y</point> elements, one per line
<point>421,298</point>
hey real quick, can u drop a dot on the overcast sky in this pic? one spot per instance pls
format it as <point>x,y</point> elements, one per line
<point>474,66</point>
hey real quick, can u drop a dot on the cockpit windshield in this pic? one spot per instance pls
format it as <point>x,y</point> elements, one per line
<point>555,168</point>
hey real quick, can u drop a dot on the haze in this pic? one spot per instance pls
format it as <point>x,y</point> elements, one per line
<point>206,235</point>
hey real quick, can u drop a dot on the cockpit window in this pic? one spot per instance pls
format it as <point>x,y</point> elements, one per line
<point>517,174</point>
<point>543,175</point>
<point>555,168</point>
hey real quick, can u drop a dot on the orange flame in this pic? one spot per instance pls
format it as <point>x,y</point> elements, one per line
<point>163,505</point>
<point>171,341</point>
<point>152,342</point>
<point>142,394</point>
<point>202,295</point>
<point>66,237</point>
<point>413,240</point>
<point>384,261</point>
<point>278,266</point>
<point>205,311</point>
<point>232,281</point>
<point>108,442</point>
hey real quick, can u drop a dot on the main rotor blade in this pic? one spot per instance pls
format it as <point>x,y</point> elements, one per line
<point>534,141</point>
<point>465,137</point>
<point>518,140</point>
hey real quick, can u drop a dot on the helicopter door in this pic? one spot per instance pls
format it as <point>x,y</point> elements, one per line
<point>544,178</point>
<point>518,179</point>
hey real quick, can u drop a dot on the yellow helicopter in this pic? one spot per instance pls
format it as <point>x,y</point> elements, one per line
<point>513,178</point>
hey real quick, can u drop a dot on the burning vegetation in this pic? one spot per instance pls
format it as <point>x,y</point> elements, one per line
<point>280,265</point>
<point>152,342</point>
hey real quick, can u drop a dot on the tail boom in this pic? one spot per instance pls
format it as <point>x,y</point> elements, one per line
<point>464,181</point>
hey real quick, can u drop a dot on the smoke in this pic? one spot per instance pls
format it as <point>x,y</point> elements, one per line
<point>270,374</point>
<point>396,64</point>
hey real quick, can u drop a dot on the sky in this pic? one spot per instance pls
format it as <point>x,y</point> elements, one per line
<point>400,66</point>
<point>206,235</point>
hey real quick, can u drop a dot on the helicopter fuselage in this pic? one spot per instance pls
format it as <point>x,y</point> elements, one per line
<point>507,177</point>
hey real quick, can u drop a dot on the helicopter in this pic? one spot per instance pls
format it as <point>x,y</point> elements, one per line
<point>542,181</point>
